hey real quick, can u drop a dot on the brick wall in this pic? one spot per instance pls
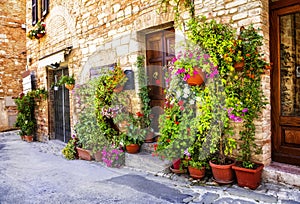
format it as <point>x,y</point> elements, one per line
<point>103,33</point>
<point>12,57</point>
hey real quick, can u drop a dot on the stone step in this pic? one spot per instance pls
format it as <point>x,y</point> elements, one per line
<point>144,161</point>
<point>282,173</point>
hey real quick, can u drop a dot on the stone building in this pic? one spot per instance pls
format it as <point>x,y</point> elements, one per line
<point>12,57</point>
<point>81,37</point>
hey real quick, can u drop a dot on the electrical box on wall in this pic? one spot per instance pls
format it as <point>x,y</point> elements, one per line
<point>298,71</point>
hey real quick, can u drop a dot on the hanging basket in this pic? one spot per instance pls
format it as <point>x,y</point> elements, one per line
<point>239,65</point>
<point>69,86</point>
<point>196,79</point>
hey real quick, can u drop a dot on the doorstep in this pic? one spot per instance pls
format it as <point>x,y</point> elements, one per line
<point>282,174</point>
<point>144,161</point>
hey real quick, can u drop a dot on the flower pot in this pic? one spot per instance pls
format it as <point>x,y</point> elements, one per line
<point>196,79</point>
<point>84,154</point>
<point>118,89</point>
<point>133,148</point>
<point>22,137</point>
<point>149,137</point>
<point>196,173</point>
<point>28,138</point>
<point>98,156</point>
<point>40,35</point>
<point>239,65</point>
<point>223,174</point>
<point>176,163</point>
<point>69,86</point>
<point>248,177</point>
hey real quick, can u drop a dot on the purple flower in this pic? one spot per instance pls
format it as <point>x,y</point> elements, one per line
<point>206,56</point>
<point>174,60</point>
<point>186,152</point>
<point>245,110</point>
<point>191,55</point>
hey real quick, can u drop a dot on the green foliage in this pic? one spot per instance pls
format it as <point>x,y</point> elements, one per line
<point>39,28</point>
<point>134,135</point>
<point>25,118</point>
<point>143,92</point>
<point>69,150</point>
<point>65,79</point>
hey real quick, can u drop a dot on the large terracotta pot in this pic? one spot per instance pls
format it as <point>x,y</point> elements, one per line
<point>84,154</point>
<point>223,174</point>
<point>196,79</point>
<point>176,163</point>
<point>133,148</point>
<point>196,173</point>
<point>28,138</point>
<point>250,178</point>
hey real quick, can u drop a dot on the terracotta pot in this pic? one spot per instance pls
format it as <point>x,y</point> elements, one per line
<point>28,138</point>
<point>176,163</point>
<point>248,177</point>
<point>196,173</point>
<point>133,148</point>
<point>23,137</point>
<point>149,137</point>
<point>40,35</point>
<point>98,156</point>
<point>223,174</point>
<point>196,79</point>
<point>118,89</point>
<point>69,86</point>
<point>239,65</point>
<point>84,154</point>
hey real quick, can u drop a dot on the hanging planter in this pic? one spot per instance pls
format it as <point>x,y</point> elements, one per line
<point>70,87</point>
<point>197,79</point>
<point>239,65</point>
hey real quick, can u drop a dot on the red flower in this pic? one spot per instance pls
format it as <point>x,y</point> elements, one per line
<point>139,114</point>
<point>168,140</point>
<point>155,147</point>
<point>157,81</point>
<point>180,102</point>
<point>248,55</point>
<point>176,122</point>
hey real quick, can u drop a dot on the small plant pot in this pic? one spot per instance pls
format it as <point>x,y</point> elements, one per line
<point>69,86</point>
<point>239,65</point>
<point>84,154</point>
<point>177,171</point>
<point>196,173</point>
<point>250,178</point>
<point>118,89</point>
<point>196,79</point>
<point>40,35</point>
<point>223,174</point>
<point>133,148</point>
<point>28,138</point>
<point>176,163</point>
<point>98,156</point>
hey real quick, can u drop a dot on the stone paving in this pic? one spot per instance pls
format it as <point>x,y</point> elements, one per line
<point>204,192</point>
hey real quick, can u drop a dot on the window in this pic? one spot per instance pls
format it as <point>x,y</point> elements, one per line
<point>40,9</point>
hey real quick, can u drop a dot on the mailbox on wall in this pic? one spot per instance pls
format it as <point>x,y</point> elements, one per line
<point>129,85</point>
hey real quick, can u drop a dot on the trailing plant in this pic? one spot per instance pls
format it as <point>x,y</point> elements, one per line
<point>244,98</point>
<point>113,156</point>
<point>143,92</point>
<point>25,119</point>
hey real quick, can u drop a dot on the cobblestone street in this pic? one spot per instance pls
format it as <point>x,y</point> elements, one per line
<point>37,173</point>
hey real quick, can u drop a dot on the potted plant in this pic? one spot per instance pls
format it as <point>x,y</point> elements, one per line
<point>69,151</point>
<point>25,118</point>
<point>133,138</point>
<point>38,31</point>
<point>68,81</point>
<point>193,65</point>
<point>113,156</point>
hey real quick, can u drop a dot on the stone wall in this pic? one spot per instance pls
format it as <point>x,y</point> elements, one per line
<point>103,33</point>
<point>12,57</point>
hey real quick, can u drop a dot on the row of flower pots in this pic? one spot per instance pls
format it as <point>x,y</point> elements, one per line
<point>224,174</point>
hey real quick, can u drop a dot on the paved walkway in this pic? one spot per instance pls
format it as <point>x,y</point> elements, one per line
<point>146,188</point>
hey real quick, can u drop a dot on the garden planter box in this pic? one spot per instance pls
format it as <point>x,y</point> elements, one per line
<point>248,177</point>
<point>84,154</point>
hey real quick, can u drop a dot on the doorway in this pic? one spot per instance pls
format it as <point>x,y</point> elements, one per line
<point>160,51</point>
<point>285,81</point>
<point>61,105</point>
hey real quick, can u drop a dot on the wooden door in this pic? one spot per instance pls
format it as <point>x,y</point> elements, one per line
<point>160,51</point>
<point>285,83</point>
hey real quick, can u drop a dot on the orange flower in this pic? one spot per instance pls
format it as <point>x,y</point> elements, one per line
<point>248,55</point>
<point>139,114</point>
